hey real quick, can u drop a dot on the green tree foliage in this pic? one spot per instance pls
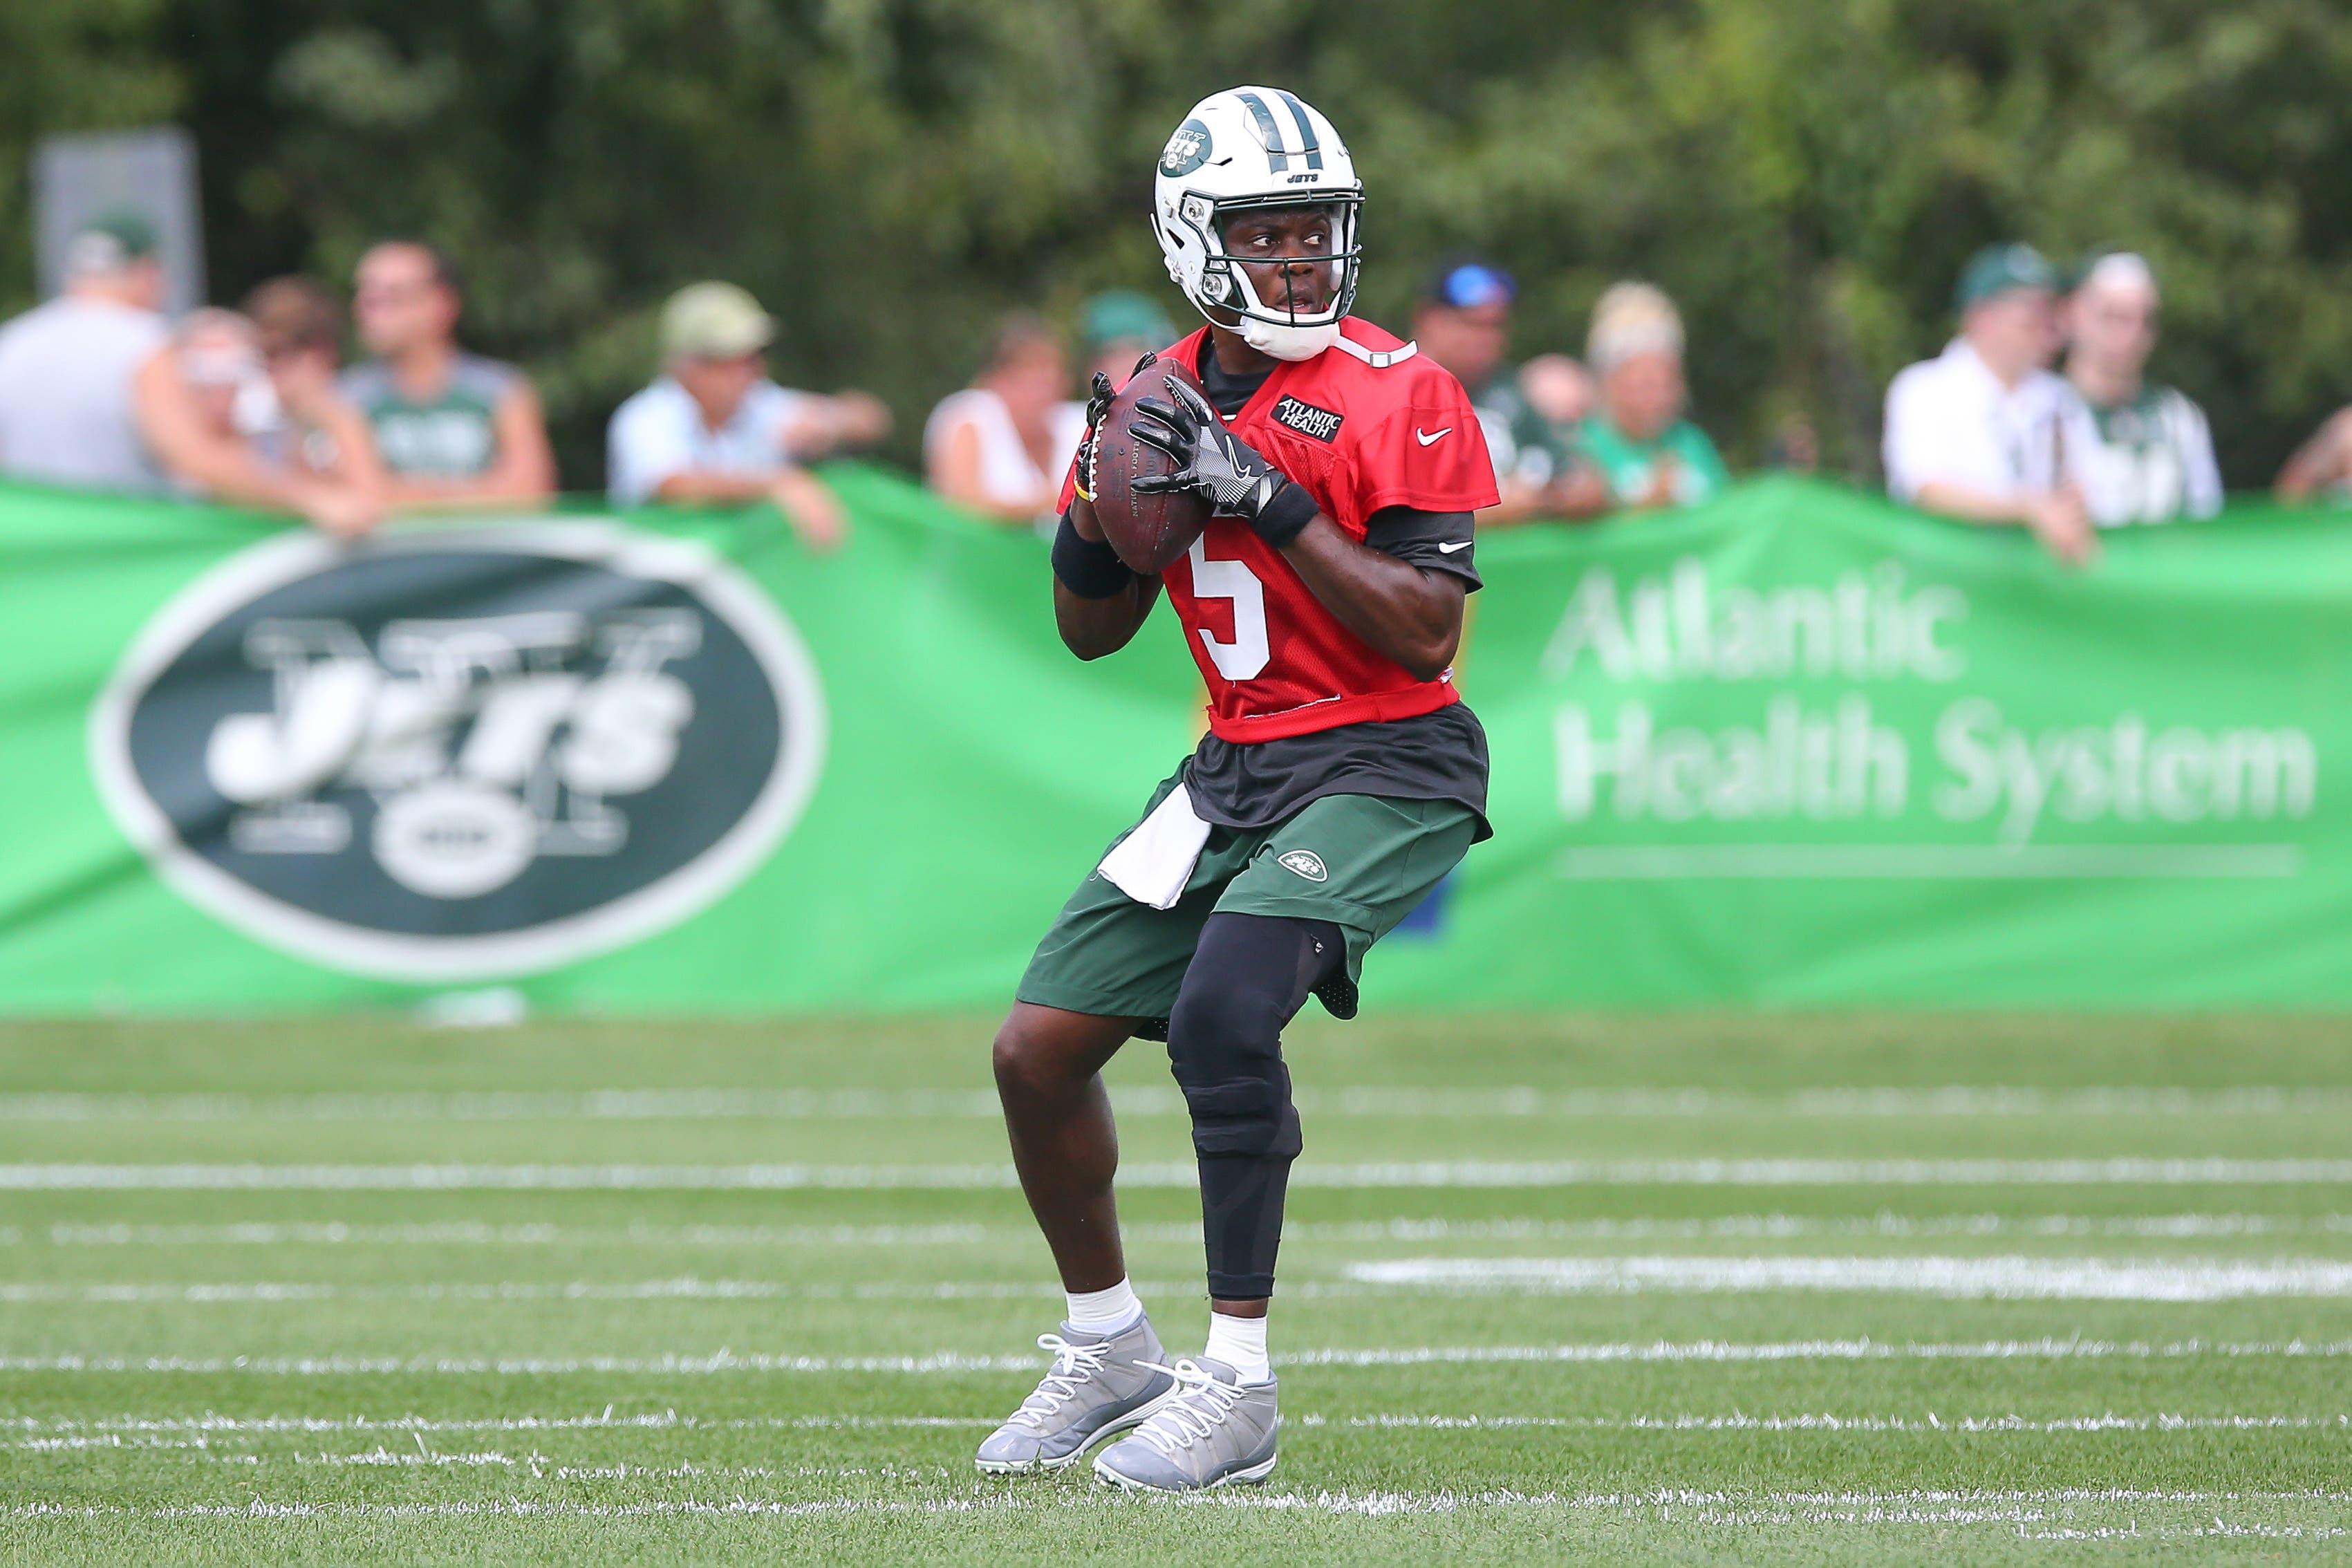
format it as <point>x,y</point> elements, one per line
<point>69,65</point>
<point>891,175</point>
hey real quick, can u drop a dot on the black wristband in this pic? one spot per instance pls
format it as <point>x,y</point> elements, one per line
<point>1287,511</point>
<point>1089,568</point>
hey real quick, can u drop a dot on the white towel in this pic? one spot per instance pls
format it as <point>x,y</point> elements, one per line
<point>1152,864</point>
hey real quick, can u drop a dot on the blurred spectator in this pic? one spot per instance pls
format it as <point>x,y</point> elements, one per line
<point>1795,447</point>
<point>209,410</point>
<point>999,447</point>
<point>66,367</point>
<point>1560,389</point>
<point>2146,453</point>
<point>1116,329</point>
<point>2322,465</point>
<point>1979,433</point>
<point>450,428</point>
<point>1646,452</point>
<point>828,424</point>
<point>311,430</point>
<point>1464,323</point>
<point>713,429</point>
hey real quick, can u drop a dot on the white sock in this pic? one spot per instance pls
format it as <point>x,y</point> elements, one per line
<point>1108,1311</point>
<point>1240,1343</point>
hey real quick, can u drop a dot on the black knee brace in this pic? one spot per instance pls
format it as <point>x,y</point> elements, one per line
<point>1249,976</point>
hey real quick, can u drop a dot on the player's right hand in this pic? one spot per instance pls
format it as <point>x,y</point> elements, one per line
<point>1099,395</point>
<point>1211,462</point>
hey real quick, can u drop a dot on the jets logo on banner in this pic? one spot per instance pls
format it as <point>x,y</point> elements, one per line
<point>452,753</point>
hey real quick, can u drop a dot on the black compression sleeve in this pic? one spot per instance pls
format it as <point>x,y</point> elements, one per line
<point>1439,541</point>
<point>1089,568</point>
<point>1249,976</point>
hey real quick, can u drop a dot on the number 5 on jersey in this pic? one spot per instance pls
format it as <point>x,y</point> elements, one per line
<point>1248,654</point>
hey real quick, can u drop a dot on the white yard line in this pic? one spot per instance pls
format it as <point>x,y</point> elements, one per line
<point>131,1432</point>
<point>1743,1227</point>
<point>729,1361</point>
<point>2003,1278</point>
<point>1738,1172</point>
<point>1682,1506</point>
<point>686,1287</point>
<point>485,1233</point>
<point>1828,1422</point>
<point>214,1425</point>
<point>2006,1276</point>
<point>1838,1350</point>
<point>1380,1100</point>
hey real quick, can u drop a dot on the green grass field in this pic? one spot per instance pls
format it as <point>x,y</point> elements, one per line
<point>1802,1290</point>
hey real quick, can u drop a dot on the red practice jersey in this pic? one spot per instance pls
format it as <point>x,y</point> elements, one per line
<point>1365,425</point>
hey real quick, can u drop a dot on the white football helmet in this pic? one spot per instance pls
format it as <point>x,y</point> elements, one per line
<point>1254,147</point>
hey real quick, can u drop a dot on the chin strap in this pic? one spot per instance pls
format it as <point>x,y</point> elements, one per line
<point>1292,343</point>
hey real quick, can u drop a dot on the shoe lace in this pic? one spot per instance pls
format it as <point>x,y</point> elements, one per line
<point>1200,1408</point>
<point>1073,1365</point>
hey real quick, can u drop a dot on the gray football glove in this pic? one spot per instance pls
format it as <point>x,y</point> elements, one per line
<point>1234,477</point>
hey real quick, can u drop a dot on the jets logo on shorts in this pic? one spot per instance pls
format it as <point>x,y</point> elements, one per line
<point>1305,862</point>
<point>451,753</point>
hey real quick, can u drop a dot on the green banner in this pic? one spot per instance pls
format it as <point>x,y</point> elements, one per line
<point>1798,747</point>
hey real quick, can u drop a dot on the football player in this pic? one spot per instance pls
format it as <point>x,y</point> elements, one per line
<point>1341,776</point>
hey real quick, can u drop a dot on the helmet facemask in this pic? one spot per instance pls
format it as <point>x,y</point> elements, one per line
<point>1230,297</point>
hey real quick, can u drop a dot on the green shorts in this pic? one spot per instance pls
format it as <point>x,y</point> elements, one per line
<point>1360,861</point>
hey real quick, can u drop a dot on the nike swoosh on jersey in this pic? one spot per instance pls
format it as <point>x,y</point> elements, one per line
<point>1450,549</point>
<point>1426,436</point>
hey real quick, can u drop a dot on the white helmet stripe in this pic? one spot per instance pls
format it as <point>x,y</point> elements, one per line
<point>1312,146</point>
<point>1278,155</point>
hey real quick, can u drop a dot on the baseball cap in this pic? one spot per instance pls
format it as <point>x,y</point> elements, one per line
<point>1631,318</point>
<point>1999,268</point>
<point>2113,270</point>
<point>1465,285</point>
<point>111,241</point>
<point>714,321</point>
<point>1121,315</point>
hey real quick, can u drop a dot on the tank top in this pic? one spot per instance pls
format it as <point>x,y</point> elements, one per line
<point>1009,476</point>
<point>452,435</point>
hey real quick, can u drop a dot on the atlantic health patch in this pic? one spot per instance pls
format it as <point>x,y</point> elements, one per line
<point>1307,419</point>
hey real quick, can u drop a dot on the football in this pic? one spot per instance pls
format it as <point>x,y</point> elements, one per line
<point>1148,530</point>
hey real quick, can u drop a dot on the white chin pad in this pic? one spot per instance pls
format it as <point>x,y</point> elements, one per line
<point>1281,339</point>
<point>1288,342</point>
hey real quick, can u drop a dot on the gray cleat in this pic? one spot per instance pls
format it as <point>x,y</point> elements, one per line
<point>1216,1431</point>
<point>1101,1385</point>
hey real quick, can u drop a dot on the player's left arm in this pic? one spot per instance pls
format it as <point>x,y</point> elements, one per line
<point>1411,613</point>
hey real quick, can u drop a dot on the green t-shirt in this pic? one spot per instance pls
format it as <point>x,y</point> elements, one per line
<point>1630,467</point>
<point>453,436</point>
<point>1522,442</point>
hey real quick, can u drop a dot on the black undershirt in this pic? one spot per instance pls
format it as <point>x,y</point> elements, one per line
<point>1439,755</point>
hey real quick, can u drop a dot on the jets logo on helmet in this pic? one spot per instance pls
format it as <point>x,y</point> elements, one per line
<point>1187,149</point>
<point>1246,148</point>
